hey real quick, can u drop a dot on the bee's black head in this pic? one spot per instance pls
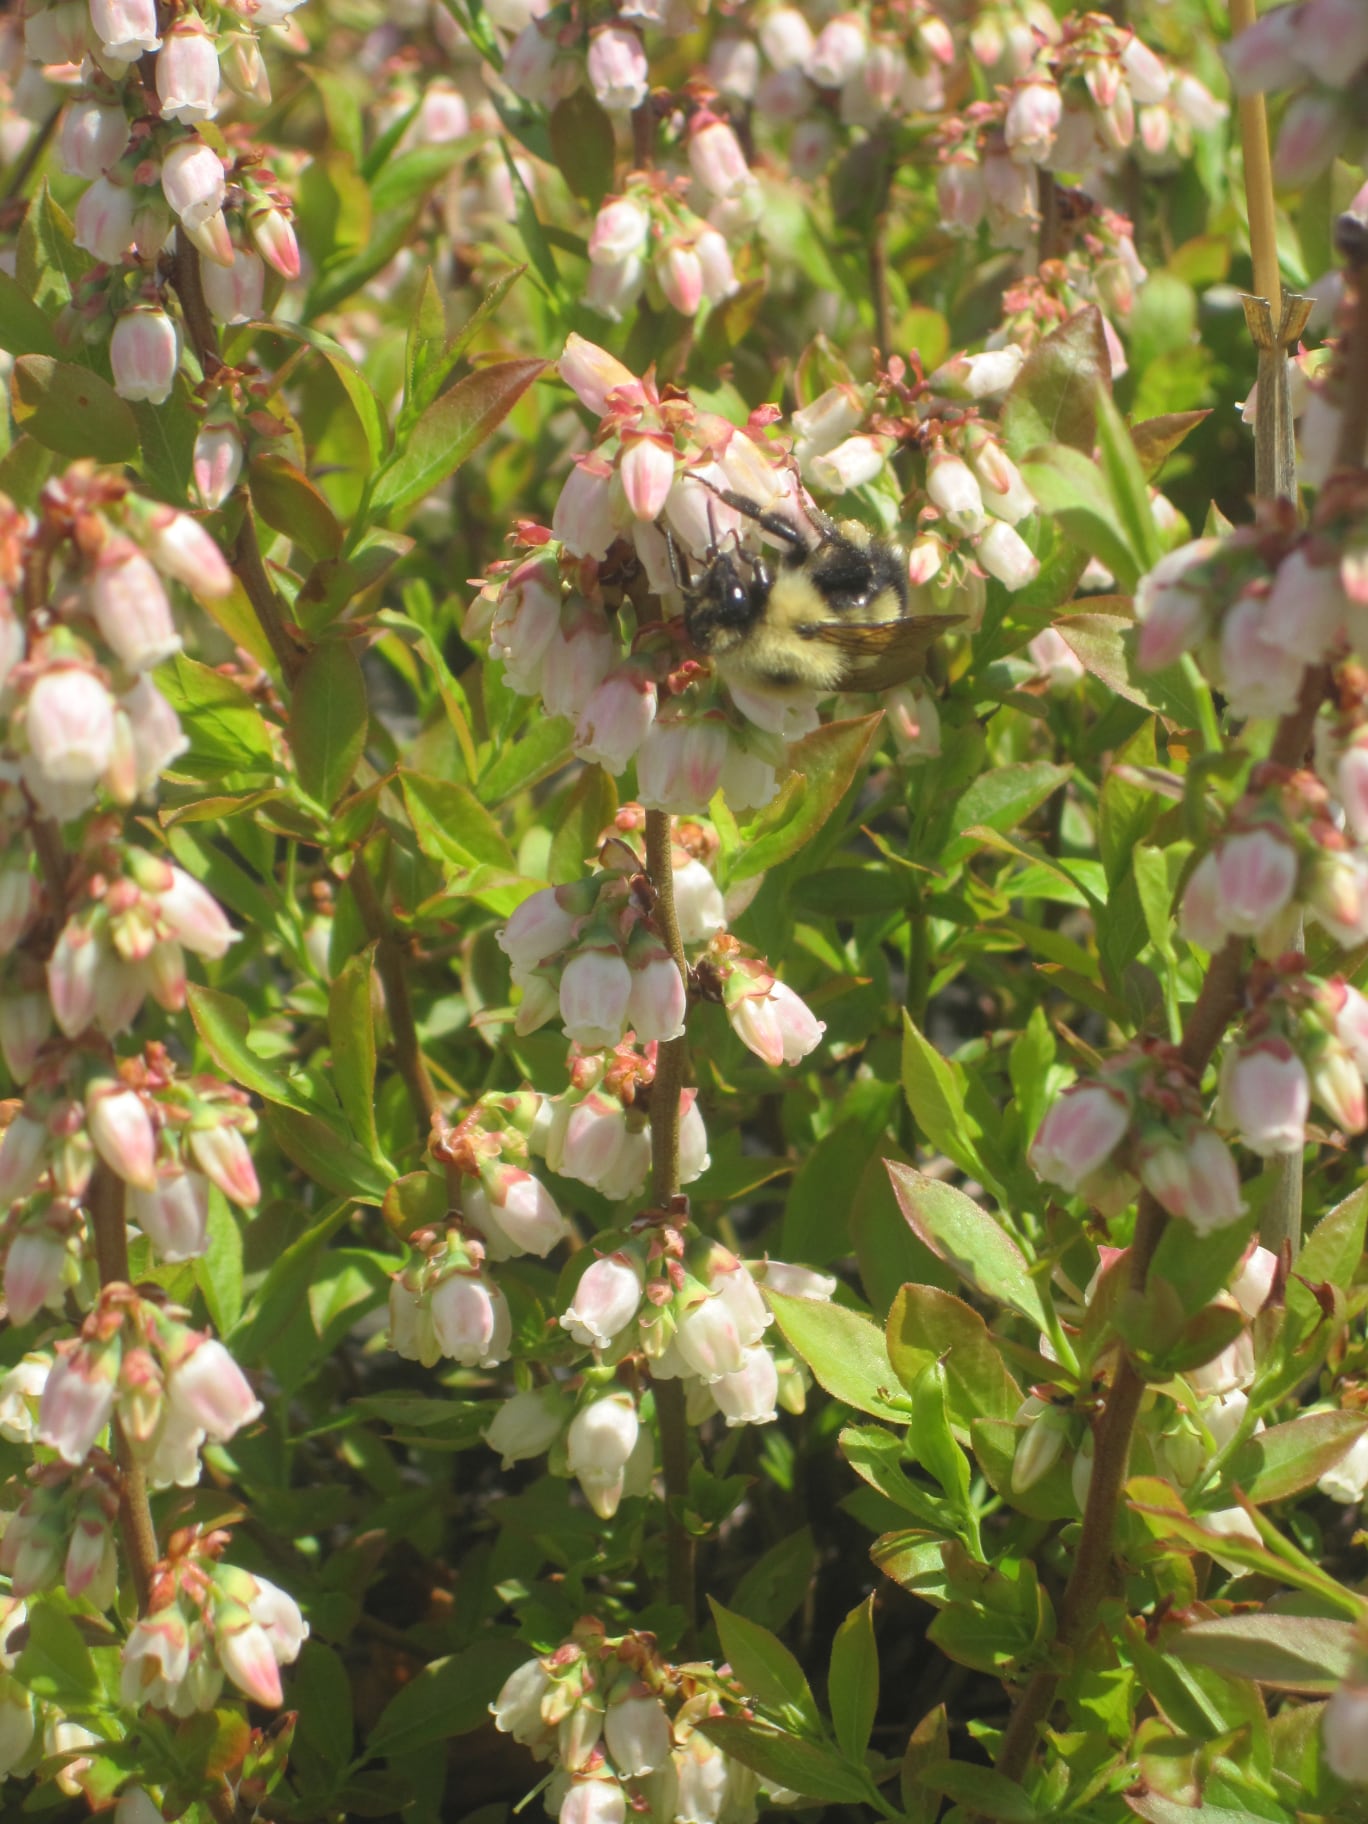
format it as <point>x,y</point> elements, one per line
<point>725,598</point>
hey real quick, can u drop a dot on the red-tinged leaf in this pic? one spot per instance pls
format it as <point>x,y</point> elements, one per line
<point>1156,439</point>
<point>1285,1459</point>
<point>1054,397</point>
<point>449,430</point>
<point>328,720</point>
<point>290,503</point>
<point>71,410</point>
<point>1292,1652</point>
<point>582,141</point>
<point>826,761</point>
<point>967,1238</point>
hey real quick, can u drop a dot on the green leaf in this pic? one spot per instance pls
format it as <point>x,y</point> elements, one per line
<point>1054,397</point>
<point>218,1271</point>
<point>455,424</point>
<point>447,1697</point>
<point>1070,486</point>
<point>974,1243</point>
<point>452,827</point>
<point>333,582</point>
<point>24,328</point>
<point>285,1289</point>
<point>927,1325</point>
<point>928,1742</point>
<point>1106,645</point>
<point>582,141</point>
<point>223,724</point>
<point>1126,483</point>
<point>773,1588</point>
<point>932,1442</point>
<point>846,1353</point>
<point>1285,1459</point>
<point>826,761</point>
<point>351,1032</point>
<point>72,410</point>
<point>788,1761</point>
<point>55,1663</point>
<point>329,1158</point>
<point>223,1023</point>
<point>999,800</point>
<point>290,503</point>
<point>1292,1652</point>
<point>329,720</point>
<point>981,1790</point>
<point>433,358</point>
<point>853,1680</point>
<point>767,1670</point>
<point>1330,1255</point>
<point>581,819</point>
<point>354,384</point>
<point>935,1096</point>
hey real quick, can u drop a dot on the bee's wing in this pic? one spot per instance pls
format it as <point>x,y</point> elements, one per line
<point>880,654</point>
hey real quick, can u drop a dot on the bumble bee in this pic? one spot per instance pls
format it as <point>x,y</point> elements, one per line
<point>831,616</point>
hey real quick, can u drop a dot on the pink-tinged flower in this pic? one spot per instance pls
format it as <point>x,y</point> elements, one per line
<point>1005,494</point>
<point>275,238</point>
<point>1312,131</point>
<point>175,1216</point>
<point>1268,54</point>
<point>93,137</point>
<point>144,352</point>
<point>1351,787</point>
<point>234,293</point>
<point>73,978</point>
<point>716,158</point>
<point>951,486</point>
<point>130,607</point>
<point>122,1133</point>
<point>657,1001</point>
<point>20,898</point>
<point>586,1138</point>
<point>1261,677</point>
<point>53,35</point>
<point>850,465</point>
<point>595,989</point>
<point>244,1652</point>
<point>1079,1134</point>
<point>1195,1178</point>
<point>1033,116</point>
<point>1338,1087</point>
<point>975,377</point>
<point>913,718</point>
<point>734,67</point>
<point>523,1210</point>
<point>748,1395</point>
<point>601,1438</point>
<point>23,1155</point>
<point>194,917</point>
<point>595,1800</point>
<point>1004,554</point>
<point>525,621</point>
<point>679,764</point>
<point>1253,1281</point>
<point>593,375</point>
<point>69,726</point>
<point>222,1155</point>
<point>1171,611</point>
<point>217,460</point>
<point>1344,1721</point>
<point>1306,607</point>
<point>699,906</point>
<point>517,1710</point>
<point>536,930</point>
<point>617,69</point>
<point>1201,918</point>
<point>35,1271</point>
<point>832,417</point>
<point>91,1568</point>
<point>471,1320</point>
<point>526,1425</point>
<point>1347,1480</point>
<point>1350,1012</point>
<point>188,73</point>
<point>207,1388</point>
<point>1256,877</point>
<point>715,263</point>
<point>278,1615</point>
<point>647,468</point>
<point>583,517</point>
<point>77,1400</point>
<point>620,231</point>
<point>605,1301</point>
<point>812,146</point>
<point>180,547</point>
<point>778,1027</point>
<point>125,28</point>
<point>155,728</point>
<point>25,1027</point>
<point>961,196</point>
<point>680,274</point>
<point>637,1731</point>
<point>708,1339</point>
<point>786,38</point>
<point>1148,78</point>
<point>192,181</point>
<point>1332,40</point>
<point>694,1159</point>
<point>156,1658</point>
<point>103,222</point>
<point>1336,894</point>
<point>1266,1096</point>
<point>735,1286</point>
<point>838,52</point>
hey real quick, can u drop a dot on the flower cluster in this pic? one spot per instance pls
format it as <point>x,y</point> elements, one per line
<point>625,1730</point>
<point>1319,49</point>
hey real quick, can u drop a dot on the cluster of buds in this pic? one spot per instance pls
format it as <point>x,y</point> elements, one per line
<point>512,1211</point>
<point>649,239</point>
<point>623,1729</point>
<point>207,1621</point>
<point>1306,1039</point>
<point>63,1533</point>
<point>764,1013</point>
<point>148,1126</point>
<point>445,1304</point>
<point>1319,48</point>
<point>152,175</point>
<point>591,954</point>
<point>597,1131</point>
<point>1140,1120</point>
<point>171,1388</point>
<point>1099,266</point>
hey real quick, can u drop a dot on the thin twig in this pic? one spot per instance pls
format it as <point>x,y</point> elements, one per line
<point>199,322</point>
<point>250,570</point>
<point>389,960</point>
<point>106,1204</point>
<point>665,1091</point>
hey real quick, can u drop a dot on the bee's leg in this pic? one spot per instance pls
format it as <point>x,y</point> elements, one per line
<point>679,564</point>
<point>772,522</point>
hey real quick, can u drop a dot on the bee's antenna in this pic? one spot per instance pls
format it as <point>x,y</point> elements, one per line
<point>712,525</point>
<point>677,562</point>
